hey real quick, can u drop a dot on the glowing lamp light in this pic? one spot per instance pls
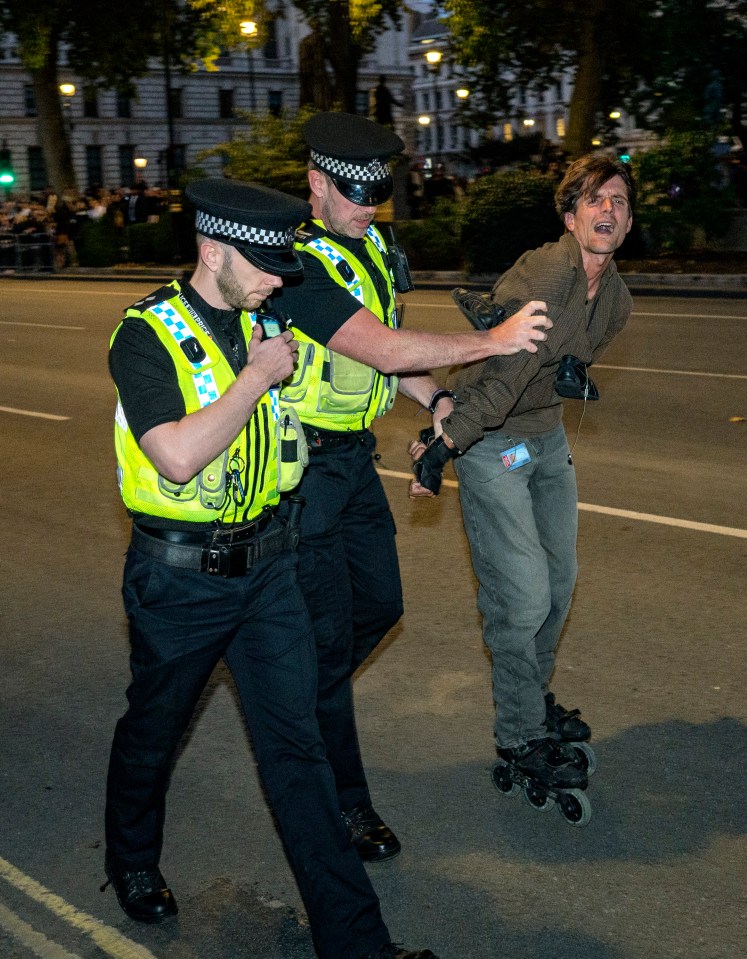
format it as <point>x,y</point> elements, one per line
<point>140,162</point>
<point>615,115</point>
<point>462,93</point>
<point>424,120</point>
<point>529,122</point>
<point>67,89</point>
<point>248,27</point>
<point>433,56</point>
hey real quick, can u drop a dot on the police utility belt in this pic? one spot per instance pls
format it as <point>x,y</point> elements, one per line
<point>221,552</point>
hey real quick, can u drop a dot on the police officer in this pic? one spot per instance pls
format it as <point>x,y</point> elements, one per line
<point>210,571</point>
<point>351,351</point>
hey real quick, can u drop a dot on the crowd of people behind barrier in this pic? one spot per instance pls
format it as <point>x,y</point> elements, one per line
<point>39,232</point>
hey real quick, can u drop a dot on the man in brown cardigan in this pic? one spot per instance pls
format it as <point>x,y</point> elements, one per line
<point>516,477</point>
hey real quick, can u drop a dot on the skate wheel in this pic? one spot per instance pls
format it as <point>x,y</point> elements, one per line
<point>587,757</point>
<point>538,798</point>
<point>502,780</point>
<point>575,807</point>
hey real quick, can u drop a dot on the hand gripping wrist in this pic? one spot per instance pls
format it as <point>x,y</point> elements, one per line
<point>429,468</point>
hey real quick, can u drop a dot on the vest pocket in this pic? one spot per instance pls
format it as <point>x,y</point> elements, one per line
<point>209,485</point>
<point>295,388</point>
<point>293,451</point>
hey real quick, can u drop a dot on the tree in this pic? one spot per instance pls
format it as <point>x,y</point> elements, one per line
<point>697,79</point>
<point>528,46</point>
<point>673,63</point>
<point>271,150</point>
<point>342,32</point>
<point>81,34</point>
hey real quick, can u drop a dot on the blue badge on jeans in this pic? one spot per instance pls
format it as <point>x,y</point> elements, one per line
<point>515,457</point>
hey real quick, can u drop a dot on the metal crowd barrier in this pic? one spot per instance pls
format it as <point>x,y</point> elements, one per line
<point>26,253</point>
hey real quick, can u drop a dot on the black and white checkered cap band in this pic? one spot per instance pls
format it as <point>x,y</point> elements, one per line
<point>373,171</point>
<point>210,225</point>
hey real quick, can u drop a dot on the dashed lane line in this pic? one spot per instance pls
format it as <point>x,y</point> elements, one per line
<point>112,943</point>
<point>43,416</point>
<point>622,513</point>
<point>43,326</point>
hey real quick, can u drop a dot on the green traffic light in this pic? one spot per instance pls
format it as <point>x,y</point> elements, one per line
<point>6,178</point>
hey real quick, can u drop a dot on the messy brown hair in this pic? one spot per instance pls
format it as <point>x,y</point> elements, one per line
<point>585,176</point>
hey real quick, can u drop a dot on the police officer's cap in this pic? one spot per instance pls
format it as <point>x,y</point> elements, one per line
<point>259,222</point>
<point>354,153</point>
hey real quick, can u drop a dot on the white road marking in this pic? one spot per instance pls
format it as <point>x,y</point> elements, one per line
<point>111,942</point>
<point>43,416</point>
<point>41,326</point>
<point>648,369</point>
<point>623,513</point>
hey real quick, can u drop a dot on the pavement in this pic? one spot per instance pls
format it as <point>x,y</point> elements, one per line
<point>640,284</point>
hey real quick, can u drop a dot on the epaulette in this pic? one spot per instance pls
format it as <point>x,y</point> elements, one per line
<point>152,299</point>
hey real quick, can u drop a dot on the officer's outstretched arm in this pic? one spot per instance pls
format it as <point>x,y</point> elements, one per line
<point>363,338</point>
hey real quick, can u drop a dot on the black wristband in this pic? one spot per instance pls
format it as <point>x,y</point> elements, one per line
<point>439,395</point>
<point>429,468</point>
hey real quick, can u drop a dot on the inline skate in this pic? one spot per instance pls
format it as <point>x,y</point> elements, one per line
<point>548,772</point>
<point>566,726</point>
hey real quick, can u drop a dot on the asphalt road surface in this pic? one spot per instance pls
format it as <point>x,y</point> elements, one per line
<point>653,651</point>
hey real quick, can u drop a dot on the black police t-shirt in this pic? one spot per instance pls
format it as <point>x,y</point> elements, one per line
<point>317,306</point>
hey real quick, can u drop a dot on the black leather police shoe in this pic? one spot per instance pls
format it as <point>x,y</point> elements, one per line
<point>390,951</point>
<point>372,838</point>
<point>142,893</point>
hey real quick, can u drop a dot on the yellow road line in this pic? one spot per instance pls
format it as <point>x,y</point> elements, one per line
<point>111,942</point>
<point>37,942</point>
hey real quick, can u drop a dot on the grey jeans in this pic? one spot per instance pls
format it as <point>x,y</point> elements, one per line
<point>521,525</point>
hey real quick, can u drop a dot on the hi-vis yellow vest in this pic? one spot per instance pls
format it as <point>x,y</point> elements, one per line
<point>251,460</point>
<point>328,390</point>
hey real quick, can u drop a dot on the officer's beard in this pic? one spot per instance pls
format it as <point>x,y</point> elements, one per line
<point>232,291</point>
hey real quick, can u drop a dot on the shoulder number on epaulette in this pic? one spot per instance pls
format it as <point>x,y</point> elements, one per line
<point>152,299</point>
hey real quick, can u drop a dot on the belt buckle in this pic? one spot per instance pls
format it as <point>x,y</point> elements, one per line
<point>227,560</point>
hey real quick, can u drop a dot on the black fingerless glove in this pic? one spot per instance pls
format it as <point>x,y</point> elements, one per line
<point>429,468</point>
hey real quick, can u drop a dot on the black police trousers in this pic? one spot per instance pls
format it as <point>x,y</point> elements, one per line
<point>349,573</point>
<point>181,623</point>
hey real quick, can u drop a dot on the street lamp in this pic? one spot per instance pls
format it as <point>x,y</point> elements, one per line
<point>68,92</point>
<point>249,30</point>
<point>140,163</point>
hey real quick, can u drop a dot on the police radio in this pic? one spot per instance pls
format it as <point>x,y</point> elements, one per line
<point>398,265</point>
<point>273,323</point>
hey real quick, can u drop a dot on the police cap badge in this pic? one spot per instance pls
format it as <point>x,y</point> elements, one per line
<point>354,153</point>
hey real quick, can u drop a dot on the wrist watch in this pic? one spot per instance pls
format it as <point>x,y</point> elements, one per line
<point>438,395</point>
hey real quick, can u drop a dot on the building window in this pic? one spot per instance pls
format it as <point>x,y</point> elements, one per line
<point>275,102</point>
<point>29,101</point>
<point>225,104</point>
<point>37,169</point>
<point>126,166</point>
<point>94,168</point>
<point>560,127</point>
<point>270,49</point>
<point>361,102</point>
<point>508,132</point>
<point>124,106</point>
<point>175,103</point>
<point>90,102</point>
